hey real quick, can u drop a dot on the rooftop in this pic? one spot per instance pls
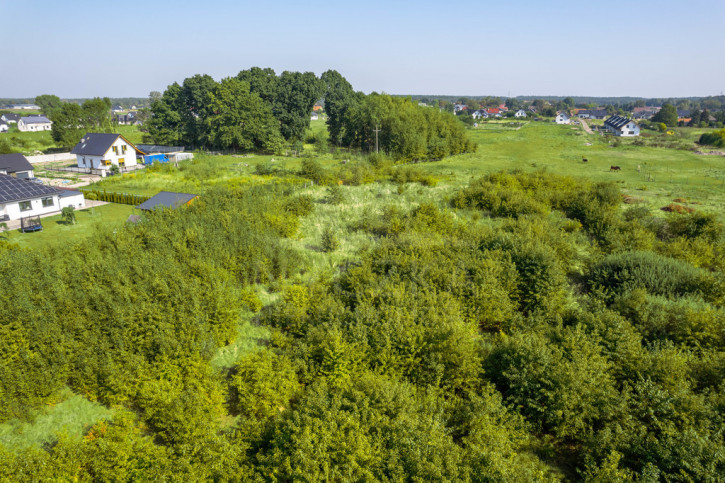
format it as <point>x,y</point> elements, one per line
<point>13,189</point>
<point>166,199</point>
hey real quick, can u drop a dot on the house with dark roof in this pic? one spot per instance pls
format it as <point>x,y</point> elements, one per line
<point>562,118</point>
<point>34,123</point>
<point>621,126</point>
<point>645,112</point>
<point>20,198</point>
<point>592,114</point>
<point>166,199</point>
<point>103,150</point>
<point>10,118</point>
<point>16,165</point>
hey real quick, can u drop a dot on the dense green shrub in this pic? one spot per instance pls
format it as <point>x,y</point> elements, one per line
<point>659,275</point>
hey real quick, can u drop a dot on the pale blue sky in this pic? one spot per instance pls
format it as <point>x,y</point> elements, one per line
<point>84,48</point>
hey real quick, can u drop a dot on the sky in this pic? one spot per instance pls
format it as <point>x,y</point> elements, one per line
<point>641,48</point>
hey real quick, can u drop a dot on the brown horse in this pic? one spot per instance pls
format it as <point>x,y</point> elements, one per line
<point>615,168</point>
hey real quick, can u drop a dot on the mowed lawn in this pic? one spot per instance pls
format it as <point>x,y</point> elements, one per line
<point>55,231</point>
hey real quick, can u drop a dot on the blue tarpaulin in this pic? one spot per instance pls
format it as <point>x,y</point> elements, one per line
<point>161,158</point>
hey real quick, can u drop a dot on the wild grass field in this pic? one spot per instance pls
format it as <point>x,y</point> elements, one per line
<point>653,176</point>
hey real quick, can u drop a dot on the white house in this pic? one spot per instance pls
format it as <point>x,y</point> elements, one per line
<point>621,126</point>
<point>24,197</point>
<point>3,126</point>
<point>562,118</point>
<point>34,123</point>
<point>520,113</point>
<point>479,113</point>
<point>10,118</point>
<point>102,150</point>
<point>314,117</point>
<point>16,165</point>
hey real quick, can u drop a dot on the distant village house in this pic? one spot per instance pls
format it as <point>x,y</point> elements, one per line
<point>34,123</point>
<point>621,126</point>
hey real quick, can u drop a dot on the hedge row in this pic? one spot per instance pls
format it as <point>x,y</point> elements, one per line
<point>113,197</point>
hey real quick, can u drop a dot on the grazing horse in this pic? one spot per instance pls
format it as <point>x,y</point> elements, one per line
<point>615,168</point>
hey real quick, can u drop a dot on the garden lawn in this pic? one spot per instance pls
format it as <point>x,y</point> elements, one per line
<point>55,231</point>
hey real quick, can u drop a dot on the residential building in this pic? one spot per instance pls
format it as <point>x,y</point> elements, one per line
<point>592,114</point>
<point>621,126</point>
<point>520,113</point>
<point>103,150</point>
<point>4,126</point>
<point>10,118</point>
<point>314,117</point>
<point>645,112</point>
<point>16,165</point>
<point>562,118</point>
<point>34,123</point>
<point>20,198</point>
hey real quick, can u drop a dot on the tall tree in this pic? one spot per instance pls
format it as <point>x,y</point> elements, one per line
<point>236,118</point>
<point>296,94</point>
<point>164,126</point>
<point>666,115</point>
<point>261,81</point>
<point>48,103</point>
<point>69,124</point>
<point>339,97</point>
<point>194,93</point>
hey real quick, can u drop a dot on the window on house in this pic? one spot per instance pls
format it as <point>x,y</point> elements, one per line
<point>121,161</point>
<point>106,162</point>
<point>123,149</point>
<point>47,202</point>
<point>25,206</point>
<point>115,150</point>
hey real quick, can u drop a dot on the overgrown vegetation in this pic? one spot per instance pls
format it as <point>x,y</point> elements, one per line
<point>514,327</point>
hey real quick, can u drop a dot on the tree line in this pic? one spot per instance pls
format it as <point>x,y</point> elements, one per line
<point>259,110</point>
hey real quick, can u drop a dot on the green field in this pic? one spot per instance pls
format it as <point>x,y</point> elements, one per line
<point>55,231</point>
<point>657,175</point>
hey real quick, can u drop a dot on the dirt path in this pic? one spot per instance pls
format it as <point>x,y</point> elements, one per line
<point>586,127</point>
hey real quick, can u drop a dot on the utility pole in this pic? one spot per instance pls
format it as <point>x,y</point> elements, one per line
<point>377,130</point>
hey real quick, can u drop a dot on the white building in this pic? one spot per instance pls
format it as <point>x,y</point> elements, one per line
<point>520,113</point>
<point>562,118</point>
<point>26,107</point>
<point>20,198</point>
<point>10,118</point>
<point>621,126</point>
<point>314,117</point>
<point>102,150</point>
<point>16,165</point>
<point>3,126</point>
<point>34,123</point>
